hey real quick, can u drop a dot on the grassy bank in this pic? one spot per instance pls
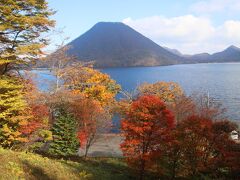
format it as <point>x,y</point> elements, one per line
<point>21,165</point>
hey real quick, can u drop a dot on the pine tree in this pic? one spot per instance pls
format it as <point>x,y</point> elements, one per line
<point>65,141</point>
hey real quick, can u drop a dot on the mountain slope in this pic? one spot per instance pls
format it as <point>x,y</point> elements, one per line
<point>231,54</point>
<point>118,45</point>
<point>174,51</point>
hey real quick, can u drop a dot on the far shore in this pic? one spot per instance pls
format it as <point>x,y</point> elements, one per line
<point>99,68</point>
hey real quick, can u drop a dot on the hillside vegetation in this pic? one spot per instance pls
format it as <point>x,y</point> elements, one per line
<point>21,165</point>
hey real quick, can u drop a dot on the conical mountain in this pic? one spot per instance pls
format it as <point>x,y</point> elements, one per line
<point>118,45</point>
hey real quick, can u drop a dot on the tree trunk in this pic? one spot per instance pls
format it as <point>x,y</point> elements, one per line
<point>174,170</point>
<point>4,69</point>
<point>142,170</point>
<point>86,150</point>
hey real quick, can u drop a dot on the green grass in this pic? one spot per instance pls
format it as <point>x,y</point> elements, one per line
<point>21,165</point>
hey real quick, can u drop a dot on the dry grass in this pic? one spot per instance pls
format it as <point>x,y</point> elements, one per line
<point>21,165</point>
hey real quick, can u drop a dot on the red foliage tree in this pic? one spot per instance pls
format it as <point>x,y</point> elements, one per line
<point>227,151</point>
<point>36,116</point>
<point>37,113</point>
<point>194,135</point>
<point>204,147</point>
<point>92,119</point>
<point>145,128</point>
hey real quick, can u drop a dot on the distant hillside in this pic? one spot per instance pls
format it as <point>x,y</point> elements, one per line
<point>202,57</point>
<point>231,54</point>
<point>174,51</point>
<point>118,45</point>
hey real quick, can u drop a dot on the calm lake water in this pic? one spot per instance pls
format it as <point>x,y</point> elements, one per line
<point>221,81</point>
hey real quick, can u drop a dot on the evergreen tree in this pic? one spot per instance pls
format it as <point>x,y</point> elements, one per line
<point>65,141</point>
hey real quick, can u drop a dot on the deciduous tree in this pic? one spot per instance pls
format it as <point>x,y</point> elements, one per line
<point>194,135</point>
<point>204,147</point>
<point>21,28</point>
<point>92,120</point>
<point>145,127</point>
<point>167,91</point>
<point>207,107</point>
<point>12,106</point>
<point>90,83</point>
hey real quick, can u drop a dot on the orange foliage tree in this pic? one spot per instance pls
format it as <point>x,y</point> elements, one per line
<point>92,119</point>
<point>145,127</point>
<point>36,115</point>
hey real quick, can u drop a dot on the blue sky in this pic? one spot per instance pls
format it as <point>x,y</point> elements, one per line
<point>191,26</point>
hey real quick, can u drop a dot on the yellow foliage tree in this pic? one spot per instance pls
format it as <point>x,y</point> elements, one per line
<point>12,106</point>
<point>167,91</point>
<point>21,26</point>
<point>22,23</point>
<point>90,83</point>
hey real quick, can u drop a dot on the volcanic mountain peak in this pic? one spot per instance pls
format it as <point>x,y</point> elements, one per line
<point>118,45</point>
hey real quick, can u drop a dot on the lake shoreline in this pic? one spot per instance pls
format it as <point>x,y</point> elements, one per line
<point>101,68</point>
<point>220,80</point>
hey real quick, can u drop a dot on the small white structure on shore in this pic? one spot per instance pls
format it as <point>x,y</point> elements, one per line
<point>234,135</point>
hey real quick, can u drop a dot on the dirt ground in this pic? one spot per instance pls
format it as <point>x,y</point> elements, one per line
<point>106,145</point>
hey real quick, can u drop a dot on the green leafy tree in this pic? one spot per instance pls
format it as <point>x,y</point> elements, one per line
<point>21,26</point>
<point>65,141</point>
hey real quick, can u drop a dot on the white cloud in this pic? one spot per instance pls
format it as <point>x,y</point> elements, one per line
<point>176,27</point>
<point>189,34</point>
<point>210,6</point>
<point>232,29</point>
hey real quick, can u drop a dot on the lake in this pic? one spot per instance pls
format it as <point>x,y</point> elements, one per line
<point>221,81</point>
